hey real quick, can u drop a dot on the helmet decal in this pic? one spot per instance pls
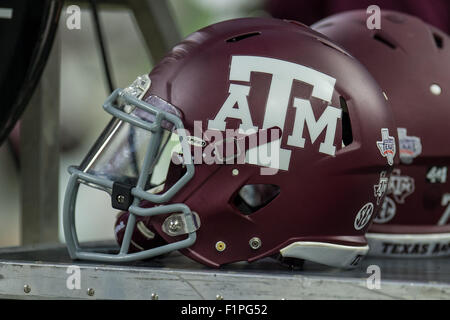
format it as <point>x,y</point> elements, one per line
<point>387,146</point>
<point>381,187</point>
<point>283,74</point>
<point>410,147</point>
<point>363,216</point>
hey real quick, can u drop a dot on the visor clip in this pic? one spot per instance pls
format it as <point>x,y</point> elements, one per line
<point>121,197</point>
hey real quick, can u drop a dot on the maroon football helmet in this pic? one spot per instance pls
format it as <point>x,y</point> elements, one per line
<point>252,138</point>
<point>411,61</point>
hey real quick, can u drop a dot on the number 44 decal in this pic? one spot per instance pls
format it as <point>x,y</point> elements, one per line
<point>445,201</point>
<point>437,175</point>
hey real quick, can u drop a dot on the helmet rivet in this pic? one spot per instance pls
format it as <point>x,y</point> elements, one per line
<point>435,89</point>
<point>26,288</point>
<point>219,297</point>
<point>155,296</point>
<point>255,243</point>
<point>220,246</point>
<point>235,172</point>
<point>120,198</point>
<point>90,292</point>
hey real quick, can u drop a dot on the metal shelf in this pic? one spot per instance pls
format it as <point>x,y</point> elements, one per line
<point>43,271</point>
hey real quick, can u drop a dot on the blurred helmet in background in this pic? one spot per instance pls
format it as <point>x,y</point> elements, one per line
<point>411,62</point>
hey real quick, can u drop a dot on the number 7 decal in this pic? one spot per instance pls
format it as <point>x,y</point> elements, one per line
<point>445,201</point>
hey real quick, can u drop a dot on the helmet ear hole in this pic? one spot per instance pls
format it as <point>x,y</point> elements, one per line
<point>252,197</point>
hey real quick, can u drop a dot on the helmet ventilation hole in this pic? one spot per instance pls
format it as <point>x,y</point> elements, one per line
<point>243,36</point>
<point>347,134</point>
<point>438,40</point>
<point>383,40</point>
<point>253,197</point>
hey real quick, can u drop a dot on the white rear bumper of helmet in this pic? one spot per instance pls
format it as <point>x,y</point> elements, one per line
<point>330,254</point>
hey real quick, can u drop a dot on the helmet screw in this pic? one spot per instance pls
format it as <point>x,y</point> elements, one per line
<point>120,198</point>
<point>155,296</point>
<point>255,243</point>
<point>220,246</point>
<point>174,225</point>
<point>26,288</point>
<point>90,292</point>
<point>219,297</point>
<point>235,172</point>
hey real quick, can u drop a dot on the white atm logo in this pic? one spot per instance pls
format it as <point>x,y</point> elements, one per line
<point>283,75</point>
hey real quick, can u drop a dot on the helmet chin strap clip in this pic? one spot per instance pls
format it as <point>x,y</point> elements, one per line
<point>121,197</point>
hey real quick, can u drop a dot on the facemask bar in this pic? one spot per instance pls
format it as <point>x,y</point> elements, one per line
<point>138,192</point>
